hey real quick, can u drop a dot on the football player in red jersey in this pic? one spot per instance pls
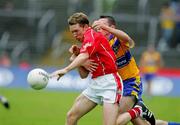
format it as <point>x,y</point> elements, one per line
<point>106,86</point>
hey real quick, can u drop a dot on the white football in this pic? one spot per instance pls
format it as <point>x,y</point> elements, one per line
<point>38,78</point>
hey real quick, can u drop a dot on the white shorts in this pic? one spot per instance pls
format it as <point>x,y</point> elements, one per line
<point>107,88</point>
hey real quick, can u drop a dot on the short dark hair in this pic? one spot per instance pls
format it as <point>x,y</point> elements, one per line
<point>78,18</point>
<point>111,19</point>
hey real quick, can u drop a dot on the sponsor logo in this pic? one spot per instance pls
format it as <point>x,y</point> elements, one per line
<point>86,46</point>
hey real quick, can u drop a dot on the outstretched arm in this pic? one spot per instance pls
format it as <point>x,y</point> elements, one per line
<point>77,62</point>
<point>75,50</point>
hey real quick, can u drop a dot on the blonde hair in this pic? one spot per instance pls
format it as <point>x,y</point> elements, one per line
<point>78,18</point>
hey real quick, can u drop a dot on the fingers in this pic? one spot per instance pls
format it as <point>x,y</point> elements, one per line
<point>91,62</point>
<point>74,49</point>
<point>59,76</point>
<point>96,25</point>
<point>92,69</point>
<point>91,65</point>
<point>71,48</point>
<point>56,75</point>
<point>53,76</point>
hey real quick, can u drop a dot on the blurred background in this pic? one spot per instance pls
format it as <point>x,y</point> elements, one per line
<point>34,33</point>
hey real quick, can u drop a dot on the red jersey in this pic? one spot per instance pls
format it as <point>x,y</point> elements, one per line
<point>99,50</point>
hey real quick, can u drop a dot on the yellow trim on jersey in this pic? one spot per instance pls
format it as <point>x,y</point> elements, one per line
<point>138,79</point>
<point>134,93</point>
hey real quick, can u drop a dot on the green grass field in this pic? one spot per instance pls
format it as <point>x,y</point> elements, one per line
<point>30,107</point>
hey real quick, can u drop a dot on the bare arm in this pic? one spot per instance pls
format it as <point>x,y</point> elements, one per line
<point>119,34</point>
<point>74,50</point>
<point>82,71</point>
<point>77,62</point>
<point>85,68</point>
<point>97,25</point>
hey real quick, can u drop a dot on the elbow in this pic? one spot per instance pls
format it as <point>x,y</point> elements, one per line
<point>131,43</point>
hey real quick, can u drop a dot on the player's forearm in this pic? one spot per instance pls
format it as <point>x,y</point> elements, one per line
<point>123,37</point>
<point>120,35</point>
<point>80,59</point>
<point>73,56</point>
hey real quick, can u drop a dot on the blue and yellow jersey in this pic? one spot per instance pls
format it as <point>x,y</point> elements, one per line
<point>127,67</point>
<point>150,62</point>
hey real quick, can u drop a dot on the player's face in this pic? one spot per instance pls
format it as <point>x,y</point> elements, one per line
<point>77,31</point>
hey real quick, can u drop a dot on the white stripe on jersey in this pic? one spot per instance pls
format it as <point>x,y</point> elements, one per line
<point>92,41</point>
<point>103,68</point>
<point>92,34</point>
<point>108,53</point>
